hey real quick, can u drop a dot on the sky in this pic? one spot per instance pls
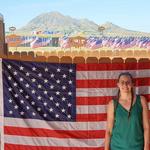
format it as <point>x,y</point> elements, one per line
<point>129,14</point>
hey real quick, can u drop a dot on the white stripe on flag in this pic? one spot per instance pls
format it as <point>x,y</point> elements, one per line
<point>82,75</point>
<point>96,92</point>
<point>55,125</point>
<point>44,141</point>
<point>91,109</point>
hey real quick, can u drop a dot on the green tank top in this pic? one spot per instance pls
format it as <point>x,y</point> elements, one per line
<point>128,134</point>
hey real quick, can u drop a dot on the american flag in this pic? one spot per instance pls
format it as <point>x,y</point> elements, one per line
<point>26,39</point>
<point>39,42</point>
<point>94,43</point>
<point>60,106</point>
<point>64,42</point>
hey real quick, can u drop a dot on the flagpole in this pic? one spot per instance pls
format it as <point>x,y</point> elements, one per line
<point>1,110</point>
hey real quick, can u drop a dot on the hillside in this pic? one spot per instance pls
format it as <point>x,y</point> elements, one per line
<point>55,21</point>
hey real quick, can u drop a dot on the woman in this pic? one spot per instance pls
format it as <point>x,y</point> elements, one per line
<point>127,118</point>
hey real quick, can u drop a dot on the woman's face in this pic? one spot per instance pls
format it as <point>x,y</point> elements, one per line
<point>125,83</point>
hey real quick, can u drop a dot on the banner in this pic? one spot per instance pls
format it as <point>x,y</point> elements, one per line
<point>60,106</point>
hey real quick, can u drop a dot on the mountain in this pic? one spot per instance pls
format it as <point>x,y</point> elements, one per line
<point>55,21</point>
<point>114,30</point>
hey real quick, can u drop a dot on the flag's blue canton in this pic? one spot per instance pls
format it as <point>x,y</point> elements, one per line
<point>39,90</point>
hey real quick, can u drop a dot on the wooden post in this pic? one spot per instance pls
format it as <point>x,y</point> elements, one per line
<point>3,45</point>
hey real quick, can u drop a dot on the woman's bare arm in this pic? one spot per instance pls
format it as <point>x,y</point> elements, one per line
<point>145,123</point>
<point>110,122</point>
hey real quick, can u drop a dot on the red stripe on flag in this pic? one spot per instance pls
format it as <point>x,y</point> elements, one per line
<point>108,83</point>
<point>95,67</point>
<point>113,66</point>
<point>24,147</point>
<point>34,132</point>
<point>103,100</point>
<point>99,83</point>
<point>91,117</point>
